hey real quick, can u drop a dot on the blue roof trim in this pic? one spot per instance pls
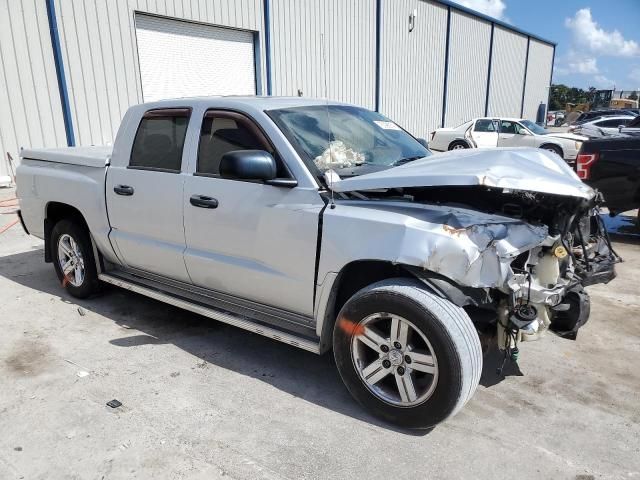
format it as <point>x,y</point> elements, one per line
<point>524,81</point>
<point>490,62</point>
<point>500,23</point>
<point>59,64</point>
<point>267,43</point>
<point>446,68</point>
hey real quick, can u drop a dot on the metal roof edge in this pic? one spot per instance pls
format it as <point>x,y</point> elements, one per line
<point>463,9</point>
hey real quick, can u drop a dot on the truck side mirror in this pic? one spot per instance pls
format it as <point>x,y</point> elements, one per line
<point>423,142</point>
<point>248,165</point>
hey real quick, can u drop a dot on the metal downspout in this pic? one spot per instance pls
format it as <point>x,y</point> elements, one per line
<point>59,64</point>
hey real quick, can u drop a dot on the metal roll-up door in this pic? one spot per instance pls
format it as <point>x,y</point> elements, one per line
<point>184,59</point>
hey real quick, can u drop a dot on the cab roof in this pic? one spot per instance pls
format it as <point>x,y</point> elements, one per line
<point>240,102</point>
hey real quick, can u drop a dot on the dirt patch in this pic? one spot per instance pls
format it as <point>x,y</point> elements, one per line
<point>28,358</point>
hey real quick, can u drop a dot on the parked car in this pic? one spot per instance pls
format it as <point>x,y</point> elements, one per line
<point>326,226</point>
<point>602,126</point>
<point>632,128</point>
<point>612,166</point>
<point>555,118</point>
<point>492,132</point>
<point>593,114</point>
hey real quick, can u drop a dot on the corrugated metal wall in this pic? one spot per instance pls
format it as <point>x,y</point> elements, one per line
<point>538,76</point>
<point>100,55</point>
<point>349,31</point>
<point>99,52</point>
<point>30,111</point>
<point>507,73</point>
<point>412,64</point>
<point>468,68</point>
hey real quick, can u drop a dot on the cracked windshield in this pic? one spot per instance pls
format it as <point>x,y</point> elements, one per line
<point>348,140</point>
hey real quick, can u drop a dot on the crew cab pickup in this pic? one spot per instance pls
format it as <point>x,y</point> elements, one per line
<point>327,227</point>
<point>612,166</point>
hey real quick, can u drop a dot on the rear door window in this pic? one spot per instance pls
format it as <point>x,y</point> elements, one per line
<point>159,140</point>
<point>484,125</point>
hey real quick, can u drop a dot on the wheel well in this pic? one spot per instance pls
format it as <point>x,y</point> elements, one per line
<point>556,147</point>
<point>353,277</point>
<point>458,140</point>
<point>54,212</point>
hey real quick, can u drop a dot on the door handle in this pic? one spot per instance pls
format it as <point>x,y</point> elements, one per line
<point>125,190</point>
<point>203,201</point>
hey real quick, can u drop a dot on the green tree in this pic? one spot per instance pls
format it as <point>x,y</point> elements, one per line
<point>633,96</point>
<point>562,94</point>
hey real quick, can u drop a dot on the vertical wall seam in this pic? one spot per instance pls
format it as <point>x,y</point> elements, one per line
<point>446,67</point>
<point>46,75</point>
<point>486,103</point>
<point>62,83</point>
<point>524,81</point>
<point>378,53</point>
<point>553,61</point>
<point>124,58</point>
<point>133,35</point>
<point>83,80</point>
<point>267,42</point>
<point>6,82</point>
<point>19,74</point>
<point>72,87</point>
<point>33,80</point>
<point>104,75</point>
<point>115,68</point>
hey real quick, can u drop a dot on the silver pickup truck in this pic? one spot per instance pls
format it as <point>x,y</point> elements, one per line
<point>328,227</point>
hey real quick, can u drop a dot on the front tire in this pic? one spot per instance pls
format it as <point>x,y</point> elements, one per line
<point>406,354</point>
<point>73,258</point>
<point>553,148</point>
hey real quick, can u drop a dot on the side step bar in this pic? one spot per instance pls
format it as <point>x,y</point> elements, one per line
<point>225,317</point>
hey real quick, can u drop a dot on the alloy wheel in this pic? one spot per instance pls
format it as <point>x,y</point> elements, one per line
<point>70,260</point>
<point>394,359</point>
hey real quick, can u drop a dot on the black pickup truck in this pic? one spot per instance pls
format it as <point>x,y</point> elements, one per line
<point>612,165</point>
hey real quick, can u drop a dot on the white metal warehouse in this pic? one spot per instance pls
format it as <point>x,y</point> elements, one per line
<point>70,68</point>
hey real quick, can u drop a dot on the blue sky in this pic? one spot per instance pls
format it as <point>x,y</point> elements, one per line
<point>598,41</point>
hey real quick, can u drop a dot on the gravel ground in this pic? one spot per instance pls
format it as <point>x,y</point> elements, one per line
<point>205,400</point>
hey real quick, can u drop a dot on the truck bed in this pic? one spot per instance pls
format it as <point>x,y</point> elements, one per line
<point>94,156</point>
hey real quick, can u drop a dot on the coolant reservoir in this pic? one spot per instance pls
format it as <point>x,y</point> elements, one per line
<point>548,271</point>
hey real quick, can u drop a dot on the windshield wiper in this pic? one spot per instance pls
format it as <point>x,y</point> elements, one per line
<point>402,161</point>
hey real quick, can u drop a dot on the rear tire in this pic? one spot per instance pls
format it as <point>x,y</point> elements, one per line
<point>73,258</point>
<point>458,145</point>
<point>422,379</point>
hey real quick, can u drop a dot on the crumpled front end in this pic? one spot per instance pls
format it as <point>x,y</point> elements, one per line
<point>517,261</point>
<point>512,236</point>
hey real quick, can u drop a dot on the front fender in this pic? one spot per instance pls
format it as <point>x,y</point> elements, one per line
<point>471,248</point>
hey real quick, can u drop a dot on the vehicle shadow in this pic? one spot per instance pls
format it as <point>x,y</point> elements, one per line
<point>297,372</point>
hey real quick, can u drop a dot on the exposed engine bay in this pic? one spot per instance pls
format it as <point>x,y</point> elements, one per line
<point>544,287</point>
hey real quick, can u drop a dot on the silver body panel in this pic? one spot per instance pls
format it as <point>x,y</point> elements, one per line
<point>525,169</point>
<point>263,243</point>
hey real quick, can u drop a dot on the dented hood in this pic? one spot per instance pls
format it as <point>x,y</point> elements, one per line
<point>528,169</point>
